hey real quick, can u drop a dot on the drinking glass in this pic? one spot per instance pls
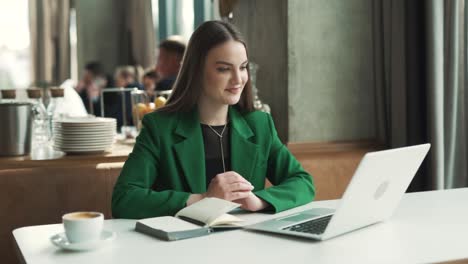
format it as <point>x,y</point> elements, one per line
<point>141,105</point>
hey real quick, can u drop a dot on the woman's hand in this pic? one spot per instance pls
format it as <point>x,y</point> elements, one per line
<point>229,186</point>
<point>252,203</point>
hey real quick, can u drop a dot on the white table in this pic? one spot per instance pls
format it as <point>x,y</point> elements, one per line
<point>427,227</point>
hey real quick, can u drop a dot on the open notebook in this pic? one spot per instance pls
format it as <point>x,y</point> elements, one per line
<point>198,219</point>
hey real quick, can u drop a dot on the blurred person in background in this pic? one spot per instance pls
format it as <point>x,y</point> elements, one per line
<point>126,77</point>
<point>89,87</point>
<point>150,78</point>
<point>171,52</point>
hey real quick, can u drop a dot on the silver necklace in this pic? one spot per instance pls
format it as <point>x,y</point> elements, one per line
<point>220,143</point>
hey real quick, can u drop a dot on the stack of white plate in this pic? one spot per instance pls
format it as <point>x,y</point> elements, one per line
<point>84,134</point>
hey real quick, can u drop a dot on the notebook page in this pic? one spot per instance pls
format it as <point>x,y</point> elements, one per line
<point>168,224</point>
<point>208,209</point>
<point>227,219</point>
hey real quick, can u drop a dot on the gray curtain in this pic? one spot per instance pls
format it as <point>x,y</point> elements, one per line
<point>140,33</point>
<point>455,115</point>
<point>50,40</point>
<point>390,71</point>
<point>115,33</point>
<point>419,74</point>
<point>447,120</point>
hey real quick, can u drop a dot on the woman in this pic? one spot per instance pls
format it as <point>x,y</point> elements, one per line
<point>208,141</point>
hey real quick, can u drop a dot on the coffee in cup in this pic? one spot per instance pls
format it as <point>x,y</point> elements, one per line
<point>83,226</point>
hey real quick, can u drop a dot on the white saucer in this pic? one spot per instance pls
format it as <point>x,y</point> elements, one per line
<point>60,240</point>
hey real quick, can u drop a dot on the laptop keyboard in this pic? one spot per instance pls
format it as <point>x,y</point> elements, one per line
<point>315,226</point>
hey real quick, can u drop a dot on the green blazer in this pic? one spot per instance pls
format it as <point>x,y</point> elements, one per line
<point>167,164</point>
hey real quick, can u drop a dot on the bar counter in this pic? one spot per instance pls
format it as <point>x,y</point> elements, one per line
<point>118,153</point>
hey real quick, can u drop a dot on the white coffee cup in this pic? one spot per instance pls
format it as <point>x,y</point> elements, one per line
<point>83,226</point>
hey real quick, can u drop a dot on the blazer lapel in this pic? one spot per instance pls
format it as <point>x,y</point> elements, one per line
<point>190,151</point>
<point>244,153</point>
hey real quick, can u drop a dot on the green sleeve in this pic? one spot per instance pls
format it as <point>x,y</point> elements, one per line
<point>133,196</point>
<point>293,186</point>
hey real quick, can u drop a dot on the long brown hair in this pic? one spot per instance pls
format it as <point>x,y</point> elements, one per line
<point>189,83</point>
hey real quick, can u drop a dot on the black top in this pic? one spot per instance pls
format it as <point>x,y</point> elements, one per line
<point>213,160</point>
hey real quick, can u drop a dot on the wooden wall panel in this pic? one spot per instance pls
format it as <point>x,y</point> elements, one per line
<point>38,196</point>
<point>331,173</point>
<point>331,164</point>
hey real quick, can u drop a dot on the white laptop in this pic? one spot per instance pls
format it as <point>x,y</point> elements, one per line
<point>372,196</point>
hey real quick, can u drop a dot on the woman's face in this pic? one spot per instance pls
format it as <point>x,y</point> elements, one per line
<point>225,74</point>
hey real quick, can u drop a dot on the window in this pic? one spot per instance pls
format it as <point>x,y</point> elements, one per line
<point>187,19</point>
<point>73,46</point>
<point>15,62</point>
<point>173,17</point>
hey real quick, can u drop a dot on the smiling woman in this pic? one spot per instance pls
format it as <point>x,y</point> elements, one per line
<point>225,76</point>
<point>208,141</point>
